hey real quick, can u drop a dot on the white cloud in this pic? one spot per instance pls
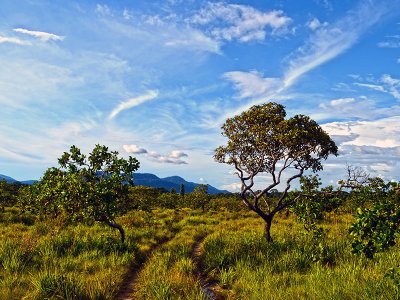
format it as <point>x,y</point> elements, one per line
<point>392,41</point>
<point>174,157</point>
<point>168,160</point>
<point>13,40</point>
<point>384,133</point>
<point>41,35</point>
<point>233,187</point>
<point>315,24</point>
<point>72,129</point>
<point>132,103</point>
<point>374,87</point>
<point>103,10</point>
<point>154,20</point>
<point>386,84</point>
<point>239,22</point>
<point>177,154</point>
<point>326,43</point>
<point>341,101</point>
<point>127,15</point>
<point>330,41</point>
<point>393,85</point>
<point>373,145</point>
<point>398,60</point>
<point>134,149</point>
<point>252,84</point>
<point>196,41</point>
<point>390,44</point>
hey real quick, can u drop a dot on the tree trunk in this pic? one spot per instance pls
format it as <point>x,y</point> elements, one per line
<point>120,229</point>
<point>267,229</point>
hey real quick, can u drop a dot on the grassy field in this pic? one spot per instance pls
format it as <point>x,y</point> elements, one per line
<point>46,260</point>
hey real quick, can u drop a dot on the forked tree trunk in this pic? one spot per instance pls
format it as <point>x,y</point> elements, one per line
<point>267,229</point>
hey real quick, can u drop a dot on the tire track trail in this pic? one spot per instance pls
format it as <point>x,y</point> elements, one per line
<point>211,289</point>
<point>129,284</point>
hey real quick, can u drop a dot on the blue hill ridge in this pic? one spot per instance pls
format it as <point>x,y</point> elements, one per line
<point>147,179</point>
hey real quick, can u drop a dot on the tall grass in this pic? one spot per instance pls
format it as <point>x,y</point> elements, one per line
<point>250,268</point>
<point>48,260</point>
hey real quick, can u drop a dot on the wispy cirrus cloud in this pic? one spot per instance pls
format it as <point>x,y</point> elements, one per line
<point>385,84</point>
<point>150,95</point>
<point>195,40</point>
<point>330,41</point>
<point>391,41</point>
<point>41,35</point>
<point>252,84</point>
<point>323,45</point>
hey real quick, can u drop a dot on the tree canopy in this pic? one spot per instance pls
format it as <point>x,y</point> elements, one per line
<point>261,140</point>
<point>93,187</point>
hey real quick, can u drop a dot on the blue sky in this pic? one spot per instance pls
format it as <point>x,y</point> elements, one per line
<point>157,79</point>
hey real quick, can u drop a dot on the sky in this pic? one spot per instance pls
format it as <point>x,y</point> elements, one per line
<point>157,79</point>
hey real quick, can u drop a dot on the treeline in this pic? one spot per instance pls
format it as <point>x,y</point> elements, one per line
<point>99,188</point>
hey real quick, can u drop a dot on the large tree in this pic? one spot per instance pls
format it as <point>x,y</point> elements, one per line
<point>262,141</point>
<point>94,187</point>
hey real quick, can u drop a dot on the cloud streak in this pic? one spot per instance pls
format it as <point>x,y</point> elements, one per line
<point>132,103</point>
<point>324,44</point>
<point>13,40</point>
<point>41,35</point>
<point>330,41</point>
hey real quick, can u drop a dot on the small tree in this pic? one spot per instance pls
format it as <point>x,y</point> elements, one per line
<point>376,227</point>
<point>7,198</point>
<point>261,140</point>
<point>182,190</point>
<point>94,187</point>
<point>200,196</point>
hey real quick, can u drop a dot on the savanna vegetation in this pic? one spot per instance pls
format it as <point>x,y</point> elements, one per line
<point>85,231</point>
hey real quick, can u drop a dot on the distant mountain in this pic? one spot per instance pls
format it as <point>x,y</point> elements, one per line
<point>7,178</point>
<point>29,182</point>
<point>12,180</point>
<point>148,179</point>
<point>169,183</point>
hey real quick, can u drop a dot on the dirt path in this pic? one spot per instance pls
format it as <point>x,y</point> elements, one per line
<point>128,286</point>
<point>211,289</point>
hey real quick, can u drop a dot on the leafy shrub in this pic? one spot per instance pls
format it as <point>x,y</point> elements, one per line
<point>375,229</point>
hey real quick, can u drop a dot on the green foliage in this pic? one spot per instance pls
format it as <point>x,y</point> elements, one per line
<point>199,198</point>
<point>168,200</point>
<point>375,229</point>
<point>93,188</point>
<point>261,136</point>
<point>312,203</point>
<point>261,140</point>
<point>393,274</point>
<point>142,197</point>
<point>365,191</point>
<point>8,192</point>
